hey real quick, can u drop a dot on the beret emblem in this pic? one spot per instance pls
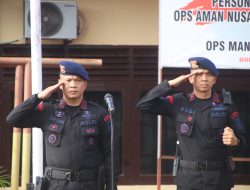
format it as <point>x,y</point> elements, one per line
<point>62,69</point>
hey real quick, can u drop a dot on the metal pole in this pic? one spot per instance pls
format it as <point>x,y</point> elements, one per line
<point>112,151</point>
<point>159,139</point>
<point>36,68</point>
<point>16,131</point>
<point>26,133</point>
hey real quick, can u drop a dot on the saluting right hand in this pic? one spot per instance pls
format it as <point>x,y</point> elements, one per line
<point>46,93</point>
<point>177,81</point>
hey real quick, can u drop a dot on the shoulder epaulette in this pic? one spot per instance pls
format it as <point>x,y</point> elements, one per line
<point>226,96</point>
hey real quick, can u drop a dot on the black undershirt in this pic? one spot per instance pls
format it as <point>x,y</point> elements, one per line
<point>72,109</point>
<point>202,103</point>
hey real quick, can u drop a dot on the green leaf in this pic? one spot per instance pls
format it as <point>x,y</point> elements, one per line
<point>4,178</point>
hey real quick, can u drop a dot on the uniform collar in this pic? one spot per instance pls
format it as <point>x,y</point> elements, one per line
<point>215,97</point>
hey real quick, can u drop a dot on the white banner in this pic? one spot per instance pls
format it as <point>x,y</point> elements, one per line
<point>216,29</point>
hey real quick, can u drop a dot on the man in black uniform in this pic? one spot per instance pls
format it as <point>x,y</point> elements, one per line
<point>207,125</point>
<point>76,133</point>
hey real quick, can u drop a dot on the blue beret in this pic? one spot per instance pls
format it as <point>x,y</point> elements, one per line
<point>73,68</point>
<point>205,63</point>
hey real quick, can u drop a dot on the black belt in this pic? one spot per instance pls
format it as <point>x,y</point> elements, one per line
<point>205,165</point>
<point>66,174</point>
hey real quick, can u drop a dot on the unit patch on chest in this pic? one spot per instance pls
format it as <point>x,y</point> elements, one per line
<point>187,110</point>
<point>53,127</point>
<point>88,115</point>
<point>59,113</point>
<point>56,120</point>
<point>52,138</point>
<point>184,128</point>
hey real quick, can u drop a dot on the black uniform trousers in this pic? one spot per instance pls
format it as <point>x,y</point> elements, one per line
<point>57,184</point>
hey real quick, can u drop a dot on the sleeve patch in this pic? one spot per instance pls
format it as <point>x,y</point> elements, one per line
<point>234,115</point>
<point>40,106</point>
<point>107,118</point>
<point>170,99</point>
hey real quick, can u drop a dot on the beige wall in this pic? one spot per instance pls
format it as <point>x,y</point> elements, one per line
<point>11,26</point>
<point>109,22</point>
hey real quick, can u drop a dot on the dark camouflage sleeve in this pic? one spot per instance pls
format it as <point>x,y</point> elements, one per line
<point>27,114</point>
<point>238,127</point>
<point>159,100</point>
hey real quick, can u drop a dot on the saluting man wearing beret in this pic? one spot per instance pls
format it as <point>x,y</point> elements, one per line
<point>207,125</point>
<point>76,133</point>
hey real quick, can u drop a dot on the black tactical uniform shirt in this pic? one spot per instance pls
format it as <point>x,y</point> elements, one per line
<point>199,126</point>
<point>76,138</point>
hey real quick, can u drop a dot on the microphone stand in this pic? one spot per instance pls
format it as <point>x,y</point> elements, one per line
<point>109,101</point>
<point>112,151</point>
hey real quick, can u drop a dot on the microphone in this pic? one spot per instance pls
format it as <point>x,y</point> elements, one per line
<point>109,101</point>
